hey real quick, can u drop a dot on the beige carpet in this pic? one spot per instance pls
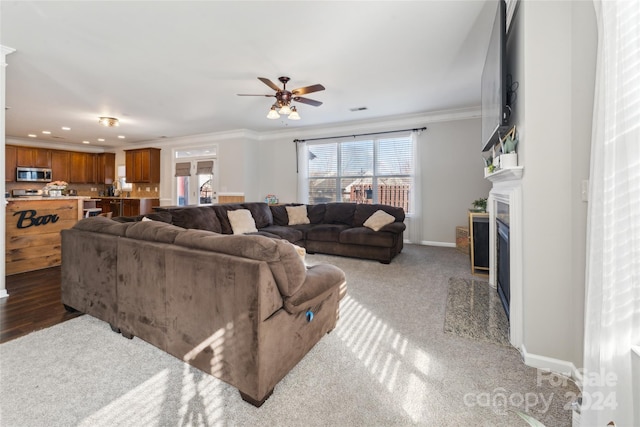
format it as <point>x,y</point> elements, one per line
<point>474,311</point>
<point>388,363</point>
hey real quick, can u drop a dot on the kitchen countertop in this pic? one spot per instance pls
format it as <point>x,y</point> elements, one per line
<point>123,198</point>
<point>27,198</point>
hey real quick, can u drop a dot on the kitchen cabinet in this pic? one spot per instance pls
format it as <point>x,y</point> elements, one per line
<point>60,165</point>
<point>127,206</point>
<point>9,163</point>
<point>33,157</point>
<point>105,168</point>
<point>82,168</point>
<point>143,165</point>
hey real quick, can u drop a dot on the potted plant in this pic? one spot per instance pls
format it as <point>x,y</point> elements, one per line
<point>480,205</point>
<point>509,157</point>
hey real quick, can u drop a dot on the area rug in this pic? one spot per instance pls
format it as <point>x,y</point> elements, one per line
<point>474,311</point>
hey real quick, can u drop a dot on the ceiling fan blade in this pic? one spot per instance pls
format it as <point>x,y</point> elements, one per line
<point>307,101</point>
<point>248,94</point>
<point>307,89</point>
<point>269,83</point>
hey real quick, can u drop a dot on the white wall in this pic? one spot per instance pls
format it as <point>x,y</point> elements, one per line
<point>552,52</point>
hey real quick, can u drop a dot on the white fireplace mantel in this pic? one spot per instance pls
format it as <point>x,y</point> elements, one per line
<point>507,188</point>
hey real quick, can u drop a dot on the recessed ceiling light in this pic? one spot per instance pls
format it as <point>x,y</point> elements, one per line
<point>121,136</point>
<point>86,142</point>
<point>66,128</point>
<point>32,135</point>
<point>101,139</point>
<point>46,132</point>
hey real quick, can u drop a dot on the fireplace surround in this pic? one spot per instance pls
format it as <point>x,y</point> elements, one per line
<point>506,196</point>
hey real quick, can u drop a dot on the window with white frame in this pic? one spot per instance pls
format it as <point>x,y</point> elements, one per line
<point>362,171</point>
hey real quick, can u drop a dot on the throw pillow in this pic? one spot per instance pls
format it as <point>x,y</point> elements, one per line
<point>144,218</point>
<point>378,220</point>
<point>241,221</point>
<point>297,215</point>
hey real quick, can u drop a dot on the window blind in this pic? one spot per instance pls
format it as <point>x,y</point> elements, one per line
<point>183,169</point>
<point>204,168</point>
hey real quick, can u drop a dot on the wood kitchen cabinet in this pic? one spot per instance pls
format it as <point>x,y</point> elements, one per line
<point>143,165</point>
<point>82,168</point>
<point>9,163</point>
<point>33,157</point>
<point>60,166</point>
<point>105,168</point>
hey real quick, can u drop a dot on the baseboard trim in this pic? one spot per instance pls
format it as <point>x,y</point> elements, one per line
<point>3,293</point>
<point>441,244</point>
<point>558,366</point>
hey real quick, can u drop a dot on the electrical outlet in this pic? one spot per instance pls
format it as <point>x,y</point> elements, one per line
<point>148,189</point>
<point>155,189</point>
<point>139,189</point>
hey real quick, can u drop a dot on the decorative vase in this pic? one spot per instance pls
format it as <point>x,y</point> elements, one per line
<point>509,160</point>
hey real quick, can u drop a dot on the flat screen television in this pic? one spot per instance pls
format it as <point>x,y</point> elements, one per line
<point>495,111</point>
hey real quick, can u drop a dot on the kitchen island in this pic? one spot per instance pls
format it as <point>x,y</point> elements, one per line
<point>33,226</point>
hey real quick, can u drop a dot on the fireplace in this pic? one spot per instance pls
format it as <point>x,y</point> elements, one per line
<point>505,246</point>
<point>502,264</point>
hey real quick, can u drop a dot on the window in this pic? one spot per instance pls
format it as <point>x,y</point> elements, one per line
<point>196,181</point>
<point>362,171</point>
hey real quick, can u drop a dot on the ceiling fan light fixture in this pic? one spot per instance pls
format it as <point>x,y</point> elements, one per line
<point>108,121</point>
<point>294,114</point>
<point>285,109</point>
<point>273,114</point>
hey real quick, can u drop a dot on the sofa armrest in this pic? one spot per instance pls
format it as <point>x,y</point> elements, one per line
<point>394,227</point>
<point>321,281</point>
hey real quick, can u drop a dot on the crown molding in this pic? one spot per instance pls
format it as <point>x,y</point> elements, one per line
<point>58,145</point>
<point>384,124</point>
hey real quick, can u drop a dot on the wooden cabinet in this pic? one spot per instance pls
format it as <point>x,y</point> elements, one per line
<point>82,168</point>
<point>143,165</point>
<point>9,163</point>
<point>127,207</point>
<point>105,168</point>
<point>33,157</point>
<point>60,166</point>
<point>479,242</point>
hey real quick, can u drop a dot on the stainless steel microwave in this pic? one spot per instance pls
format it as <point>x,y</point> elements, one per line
<point>33,174</point>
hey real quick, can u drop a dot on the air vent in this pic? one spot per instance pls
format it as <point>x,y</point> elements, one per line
<point>358,109</point>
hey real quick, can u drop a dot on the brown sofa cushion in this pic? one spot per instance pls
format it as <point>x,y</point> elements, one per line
<point>367,237</point>
<point>287,233</point>
<point>321,280</point>
<point>326,232</point>
<point>201,218</point>
<point>339,213</point>
<point>154,231</point>
<point>316,213</point>
<point>102,224</point>
<point>261,213</point>
<point>286,266</point>
<point>363,212</point>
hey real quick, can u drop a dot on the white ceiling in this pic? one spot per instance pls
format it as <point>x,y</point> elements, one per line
<point>173,68</point>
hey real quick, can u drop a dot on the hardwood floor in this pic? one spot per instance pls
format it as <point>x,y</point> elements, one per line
<point>33,303</point>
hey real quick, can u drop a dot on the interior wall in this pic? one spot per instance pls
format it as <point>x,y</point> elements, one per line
<point>451,168</point>
<point>552,57</point>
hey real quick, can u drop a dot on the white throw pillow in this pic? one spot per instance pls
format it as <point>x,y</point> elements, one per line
<point>144,218</point>
<point>297,215</point>
<point>241,221</point>
<point>378,220</point>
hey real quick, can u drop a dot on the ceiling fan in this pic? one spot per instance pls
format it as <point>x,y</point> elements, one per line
<point>284,98</point>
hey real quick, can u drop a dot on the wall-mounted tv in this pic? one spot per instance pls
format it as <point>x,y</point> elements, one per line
<point>495,111</point>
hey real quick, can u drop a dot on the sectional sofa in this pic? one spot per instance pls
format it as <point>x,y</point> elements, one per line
<point>330,228</point>
<point>245,309</point>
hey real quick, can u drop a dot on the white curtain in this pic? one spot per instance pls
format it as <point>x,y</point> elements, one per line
<point>415,217</point>
<point>612,308</point>
<point>303,172</point>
